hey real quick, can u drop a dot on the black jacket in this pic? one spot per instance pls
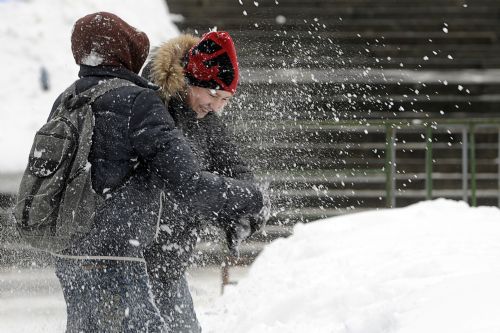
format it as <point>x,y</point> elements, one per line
<point>170,256</point>
<point>210,142</point>
<point>136,153</point>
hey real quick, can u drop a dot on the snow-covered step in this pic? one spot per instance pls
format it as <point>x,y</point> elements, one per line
<point>407,10</point>
<point>282,23</point>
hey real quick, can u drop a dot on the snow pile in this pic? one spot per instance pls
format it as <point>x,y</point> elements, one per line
<point>36,34</point>
<point>430,267</point>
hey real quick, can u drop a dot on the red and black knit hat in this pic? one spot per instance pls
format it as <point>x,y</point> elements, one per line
<point>105,39</point>
<point>212,63</point>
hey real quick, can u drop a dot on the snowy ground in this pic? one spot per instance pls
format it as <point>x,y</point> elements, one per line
<point>430,267</point>
<point>31,300</point>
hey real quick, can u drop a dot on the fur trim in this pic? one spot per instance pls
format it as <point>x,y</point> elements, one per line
<point>167,70</point>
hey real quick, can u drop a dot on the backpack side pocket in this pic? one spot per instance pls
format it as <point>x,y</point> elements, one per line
<point>44,181</point>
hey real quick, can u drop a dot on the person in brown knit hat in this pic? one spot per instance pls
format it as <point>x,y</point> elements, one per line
<point>137,157</point>
<point>197,77</point>
<point>104,39</point>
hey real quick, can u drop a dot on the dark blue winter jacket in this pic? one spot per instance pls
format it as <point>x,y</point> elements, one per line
<point>137,153</point>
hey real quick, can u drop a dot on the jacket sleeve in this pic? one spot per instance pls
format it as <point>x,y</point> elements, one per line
<point>226,157</point>
<point>165,151</point>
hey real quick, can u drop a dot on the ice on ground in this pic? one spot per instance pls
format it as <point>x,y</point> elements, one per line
<point>35,37</point>
<point>430,267</point>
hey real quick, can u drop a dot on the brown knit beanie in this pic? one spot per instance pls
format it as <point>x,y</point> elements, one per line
<point>105,39</point>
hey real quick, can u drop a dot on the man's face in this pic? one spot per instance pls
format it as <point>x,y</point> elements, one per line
<point>204,100</point>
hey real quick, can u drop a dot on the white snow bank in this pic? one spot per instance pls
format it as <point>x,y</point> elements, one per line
<point>37,33</point>
<point>430,267</point>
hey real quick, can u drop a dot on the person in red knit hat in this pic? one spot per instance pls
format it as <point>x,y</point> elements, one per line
<point>202,72</point>
<point>197,76</point>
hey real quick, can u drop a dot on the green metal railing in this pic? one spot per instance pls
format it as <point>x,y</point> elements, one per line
<point>466,127</point>
<point>469,162</point>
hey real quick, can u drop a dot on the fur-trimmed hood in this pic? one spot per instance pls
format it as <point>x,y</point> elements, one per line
<point>166,66</point>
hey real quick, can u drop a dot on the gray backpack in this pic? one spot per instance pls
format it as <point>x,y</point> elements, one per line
<point>56,203</point>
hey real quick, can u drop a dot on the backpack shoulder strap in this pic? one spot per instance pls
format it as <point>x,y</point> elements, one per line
<point>72,101</point>
<point>67,100</point>
<point>102,88</point>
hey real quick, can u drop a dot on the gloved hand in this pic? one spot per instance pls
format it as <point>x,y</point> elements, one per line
<point>242,198</point>
<point>259,220</point>
<point>240,230</point>
<point>236,233</point>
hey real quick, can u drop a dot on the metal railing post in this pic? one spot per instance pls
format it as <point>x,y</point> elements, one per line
<point>465,164</point>
<point>390,200</point>
<point>498,168</point>
<point>473,162</point>
<point>393,168</point>
<point>428,162</point>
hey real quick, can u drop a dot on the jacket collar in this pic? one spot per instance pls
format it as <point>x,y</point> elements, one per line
<point>118,72</point>
<point>181,112</point>
<point>184,116</point>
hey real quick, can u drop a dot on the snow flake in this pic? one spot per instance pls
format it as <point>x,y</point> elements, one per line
<point>166,228</point>
<point>280,19</point>
<point>38,153</point>
<point>134,242</point>
<point>92,59</point>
